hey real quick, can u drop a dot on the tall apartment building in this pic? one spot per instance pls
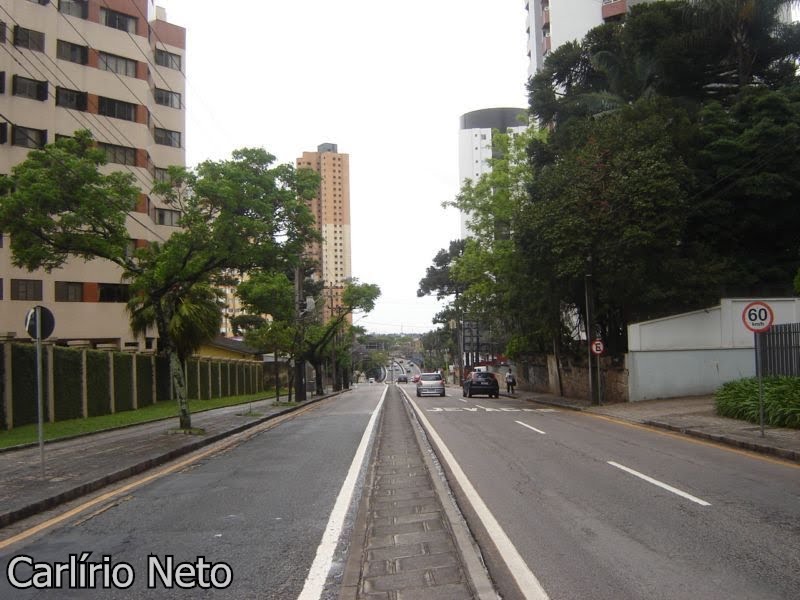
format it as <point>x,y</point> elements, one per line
<point>115,67</point>
<point>550,24</point>
<point>331,209</point>
<point>475,143</point>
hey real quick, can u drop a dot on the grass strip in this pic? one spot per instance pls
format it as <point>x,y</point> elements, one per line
<point>27,434</point>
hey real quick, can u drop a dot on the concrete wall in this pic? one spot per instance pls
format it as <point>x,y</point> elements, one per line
<point>675,373</point>
<point>694,353</point>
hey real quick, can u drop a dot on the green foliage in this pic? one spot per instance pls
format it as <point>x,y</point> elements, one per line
<point>97,383</point>
<point>67,381</point>
<point>144,381</point>
<point>123,381</point>
<point>60,205</point>
<point>23,366</point>
<point>226,379</point>
<point>215,379</point>
<point>163,379</point>
<point>781,398</point>
<point>205,389</point>
<point>3,416</point>
<point>192,367</point>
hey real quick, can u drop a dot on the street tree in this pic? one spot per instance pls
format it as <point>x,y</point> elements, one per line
<point>236,215</point>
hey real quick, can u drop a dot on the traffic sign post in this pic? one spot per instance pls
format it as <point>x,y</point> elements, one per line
<point>598,347</point>
<point>40,323</point>
<point>758,317</point>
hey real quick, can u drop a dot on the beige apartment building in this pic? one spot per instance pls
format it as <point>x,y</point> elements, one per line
<point>331,209</point>
<point>115,67</point>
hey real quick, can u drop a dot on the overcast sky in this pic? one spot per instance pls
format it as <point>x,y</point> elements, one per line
<point>386,82</point>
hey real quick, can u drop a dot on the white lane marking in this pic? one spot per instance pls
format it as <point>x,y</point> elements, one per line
<point>463,400</point>
<point>529,427</point>
<point>660,484</point>
<point>526,581</point>
<point>317,575</point>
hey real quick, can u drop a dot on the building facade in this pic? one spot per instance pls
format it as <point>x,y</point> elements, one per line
<point>116,68</point>
<point>550,24</point>
<point>475,143</point>
<point>331,210</point>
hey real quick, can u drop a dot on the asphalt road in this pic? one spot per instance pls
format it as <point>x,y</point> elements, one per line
<point>260,507</point>
<point>604,510</point>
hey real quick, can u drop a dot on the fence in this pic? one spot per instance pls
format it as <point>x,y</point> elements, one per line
<point>84,382</point>
<point>780,350</point>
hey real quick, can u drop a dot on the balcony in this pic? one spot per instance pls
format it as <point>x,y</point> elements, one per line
<point>546,15</point>
<point>546,45</point>
<point>614,8</point>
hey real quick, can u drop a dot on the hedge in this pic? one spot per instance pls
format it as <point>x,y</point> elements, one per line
<point>67,383</point>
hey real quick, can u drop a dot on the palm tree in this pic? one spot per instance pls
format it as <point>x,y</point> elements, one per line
<point>185,317</point>
<point>759,32</point>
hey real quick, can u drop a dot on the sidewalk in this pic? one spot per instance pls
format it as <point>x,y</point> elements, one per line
<point>81,465</point>
<point>694,416</point>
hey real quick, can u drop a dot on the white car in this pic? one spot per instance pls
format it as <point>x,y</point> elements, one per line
<point>430,384</point>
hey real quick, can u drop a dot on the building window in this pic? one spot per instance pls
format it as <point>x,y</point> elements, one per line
<point>71,99</point>
<point>28,38</point>
<point>166,137</point>
<point>122,155</point>
<point>167,98</point>
<point>26,289</point>
<point>117,64</point>
<point>69,291</point>
<point>118,109</point>
<point>168,59</point>
<point>72,52</point>
<point>74,8</point>
<point>117,20</point>
<point>29,88</point>
<point>168,217</point>
<point>160,175</point>
<point>28,137</point>
<point>113,292</point>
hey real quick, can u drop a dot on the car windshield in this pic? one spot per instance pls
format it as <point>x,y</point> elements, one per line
<point>483,376</point>
<point>430,377</point>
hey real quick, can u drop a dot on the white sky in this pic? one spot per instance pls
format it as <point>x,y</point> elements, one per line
<point>386,82</point>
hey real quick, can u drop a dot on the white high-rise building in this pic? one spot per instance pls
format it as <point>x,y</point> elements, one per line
<point>475,143</point>
<point>551,24</point>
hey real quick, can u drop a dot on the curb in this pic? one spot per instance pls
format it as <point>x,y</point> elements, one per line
<point>7,518</point>
<point>792,455</point>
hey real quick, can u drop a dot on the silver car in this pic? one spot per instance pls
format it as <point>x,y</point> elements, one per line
<point>430,384</point>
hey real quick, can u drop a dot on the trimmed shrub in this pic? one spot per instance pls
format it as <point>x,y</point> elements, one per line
<point>739,400</point>
<point>205,390</point>
<point>226,378</point>
<point>24,393</point>
<point>97,383</point>
<point>123,381</point>
<point>68,383</point>
<point>215,379</point>
<point>163,379</point>
<point>3,419</point>
<point>191,379</point>
<point>144,380</point>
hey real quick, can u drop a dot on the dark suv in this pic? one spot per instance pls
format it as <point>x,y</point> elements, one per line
<point>481,382</point>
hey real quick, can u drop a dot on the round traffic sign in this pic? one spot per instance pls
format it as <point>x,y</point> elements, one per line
<point>758,316</point>
<point>598,347</point>
<point>48,322</point>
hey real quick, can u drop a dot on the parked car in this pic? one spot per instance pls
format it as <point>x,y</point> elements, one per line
<point>481,382</point>
<point>402,379</point>
<point>430,384</point>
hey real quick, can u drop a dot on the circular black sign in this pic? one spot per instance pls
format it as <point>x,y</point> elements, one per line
<point>48,322</point>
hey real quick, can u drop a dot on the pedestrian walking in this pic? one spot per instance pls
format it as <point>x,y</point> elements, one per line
<point>510,382</point>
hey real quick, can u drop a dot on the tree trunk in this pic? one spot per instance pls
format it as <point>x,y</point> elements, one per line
<point>175,369</point>
<point>179,383</point>
<point>318,372</point>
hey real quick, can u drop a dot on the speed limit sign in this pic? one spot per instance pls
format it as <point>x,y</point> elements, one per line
<point>757,316</point>
<point>597,347</point>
